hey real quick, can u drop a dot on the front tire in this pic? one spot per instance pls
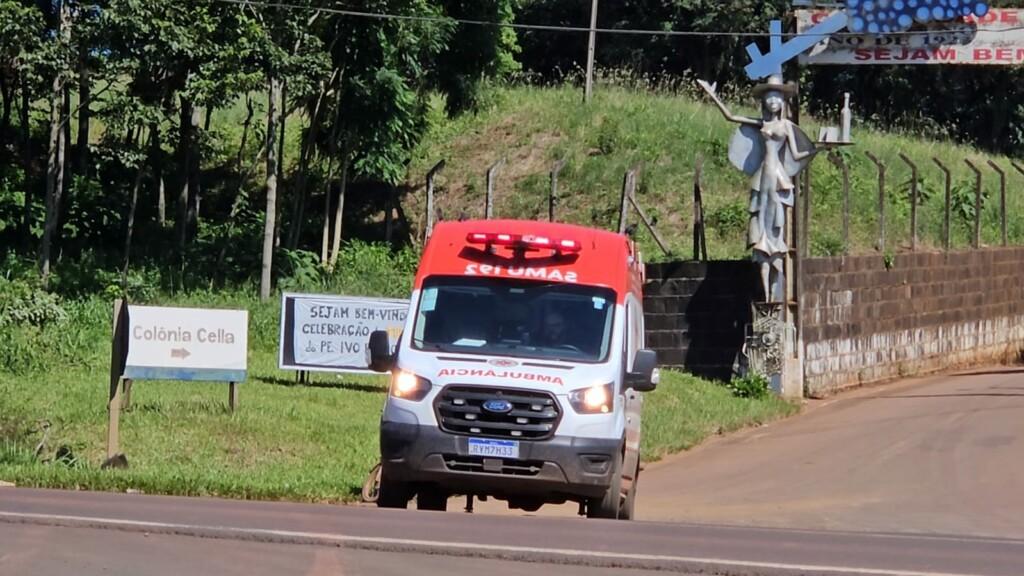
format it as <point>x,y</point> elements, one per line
<point>628,505</point>
<point>609,506</point>
<point>391,494</point>
<point>432,499</point>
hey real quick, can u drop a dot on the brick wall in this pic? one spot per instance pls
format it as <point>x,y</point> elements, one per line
<point>863,323</point>
<point>696,314</point>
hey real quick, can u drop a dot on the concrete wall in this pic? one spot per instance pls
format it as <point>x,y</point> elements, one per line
<point>864,323</point>
<point>696,314</point>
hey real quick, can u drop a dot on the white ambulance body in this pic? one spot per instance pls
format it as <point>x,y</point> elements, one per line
<point>520,372</point>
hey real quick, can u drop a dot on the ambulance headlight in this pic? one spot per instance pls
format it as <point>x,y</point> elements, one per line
<point>408,386</point>
<point>597,399</point>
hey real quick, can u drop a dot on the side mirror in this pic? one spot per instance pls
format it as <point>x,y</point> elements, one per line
<point>379,347</point>
<point>644,377</point>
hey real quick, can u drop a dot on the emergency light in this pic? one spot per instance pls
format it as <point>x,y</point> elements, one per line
<point>527,242</point>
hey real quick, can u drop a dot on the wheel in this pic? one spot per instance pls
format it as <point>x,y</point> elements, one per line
<point>371,488</point>
<point>626,512</point>
<point>391,494</point>
<point>430,498</point>
<point>610,505</point>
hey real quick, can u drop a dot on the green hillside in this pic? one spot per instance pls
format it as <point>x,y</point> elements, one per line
<point>534,127</point>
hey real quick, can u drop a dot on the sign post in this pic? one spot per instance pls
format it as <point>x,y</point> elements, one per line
<point>155,343</point>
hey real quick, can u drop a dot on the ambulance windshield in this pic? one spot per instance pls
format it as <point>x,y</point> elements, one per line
<point>502,317</point>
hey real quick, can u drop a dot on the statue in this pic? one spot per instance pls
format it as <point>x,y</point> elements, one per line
<point>773,151</point>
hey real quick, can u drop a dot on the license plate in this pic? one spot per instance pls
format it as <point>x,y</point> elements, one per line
<point>494,448</point>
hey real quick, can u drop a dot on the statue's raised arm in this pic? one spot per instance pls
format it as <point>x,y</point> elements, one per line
<point>794,144</point>
<point>711,90</point>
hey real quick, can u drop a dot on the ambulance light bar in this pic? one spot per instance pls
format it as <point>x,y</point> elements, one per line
<point>528,242</point>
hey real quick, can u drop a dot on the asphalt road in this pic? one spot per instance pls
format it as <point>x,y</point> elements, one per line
<point>918,479</point>
<point>943,455</point>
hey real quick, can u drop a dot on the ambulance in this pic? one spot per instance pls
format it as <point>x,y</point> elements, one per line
<point>520,373</point>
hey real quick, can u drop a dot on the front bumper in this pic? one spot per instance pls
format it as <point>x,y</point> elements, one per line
<point>556,469</point>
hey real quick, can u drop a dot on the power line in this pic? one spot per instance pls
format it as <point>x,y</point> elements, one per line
<point>581,29</point>
<point>515,26</point>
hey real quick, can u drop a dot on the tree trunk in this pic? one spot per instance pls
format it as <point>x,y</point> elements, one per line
<point>194,192</point>
<point>245,134</point>
<point>155,162</point>
<point>185,154</point>
<point>26,161</point>
<point>332,153</point>
<point>208,118</point>
<point>269,222</point>
<point>7,90</point>
<point>133,204</point>
<point>68,156</point>
<point>54,175</point>
<point>299,198</point>
<point>55,158</point>
<point>340,206</point>
<point>325,233</point>
<point>280,156</point>
<point>188,198</point>
<point>84,115</point>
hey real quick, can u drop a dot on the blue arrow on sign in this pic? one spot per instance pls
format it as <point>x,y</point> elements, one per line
<point>764,65</point>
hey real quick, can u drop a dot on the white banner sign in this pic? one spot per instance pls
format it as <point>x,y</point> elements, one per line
<point>186,344</point>
<point>330,333</point>
<point>995,39</point>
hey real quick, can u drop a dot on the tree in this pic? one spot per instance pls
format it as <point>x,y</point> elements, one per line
<point>55,158</point>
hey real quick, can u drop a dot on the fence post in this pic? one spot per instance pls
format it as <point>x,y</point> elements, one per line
<point>840,163</point>
<point>1002,199</point>
<point>553,195</point>
<point>805,232</point>
<point>913,199</point>
<point>977,202</point>
<point>650,225</point>
<point>628,187</point>
<point>700,245</point>
<point>946,232</point>
<point>118,355</point>
<point>881,200</point>
<point>491,173</point>
<point>429,228</point>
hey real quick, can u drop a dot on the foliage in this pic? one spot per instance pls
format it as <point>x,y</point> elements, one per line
<point>729,220</point>
<point>963,198</point>
<point>373,269</point>
<point>827,244</point>
<point>23,303</point>
<point>754,386</point>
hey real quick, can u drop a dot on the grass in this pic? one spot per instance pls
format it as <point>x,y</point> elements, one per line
<point>663,133</point>
<point>308,443</point>
<point>685,410</point>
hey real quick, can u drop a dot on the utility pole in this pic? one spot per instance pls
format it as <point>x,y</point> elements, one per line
<point>590,53</point>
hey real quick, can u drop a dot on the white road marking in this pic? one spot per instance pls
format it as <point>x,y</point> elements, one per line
<point>228,532</point>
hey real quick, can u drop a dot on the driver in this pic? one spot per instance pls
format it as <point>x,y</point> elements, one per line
<point>553,330</point>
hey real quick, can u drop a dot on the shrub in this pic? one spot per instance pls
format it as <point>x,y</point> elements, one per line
<point>23,303</point>
<point>753,386</point>
<point>729,220</point>
<point>373,270</point>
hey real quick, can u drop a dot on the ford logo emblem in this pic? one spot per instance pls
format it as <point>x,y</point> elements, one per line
<point>498,406</point>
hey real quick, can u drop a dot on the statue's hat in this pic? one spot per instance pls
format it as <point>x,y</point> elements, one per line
<point>775,84</point>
